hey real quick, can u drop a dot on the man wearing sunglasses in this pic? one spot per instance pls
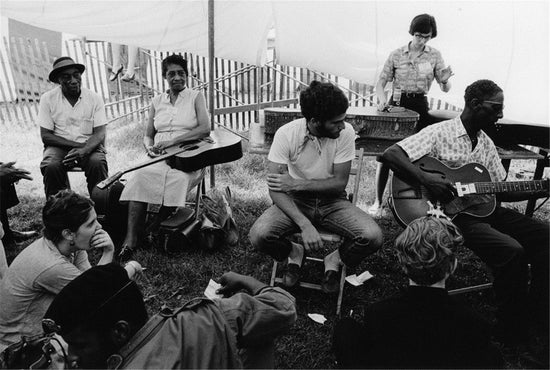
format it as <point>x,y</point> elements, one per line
<point>505,240</point>
<point>72,126</point>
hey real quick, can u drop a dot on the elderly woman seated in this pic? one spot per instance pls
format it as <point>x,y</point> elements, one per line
<point>176,116</point>
<point>42,269</point>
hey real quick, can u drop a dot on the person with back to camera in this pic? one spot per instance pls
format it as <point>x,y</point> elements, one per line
<point>175,116</point>
<point>423,327</point>
<point>309,165</point>
<point>102,317</point>
<point>411,69</point>
<point>43,268</point>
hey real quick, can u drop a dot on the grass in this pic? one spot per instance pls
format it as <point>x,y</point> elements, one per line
<point>173,279</point>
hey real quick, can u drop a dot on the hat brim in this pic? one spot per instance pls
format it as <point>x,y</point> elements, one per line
<point>53,74</point>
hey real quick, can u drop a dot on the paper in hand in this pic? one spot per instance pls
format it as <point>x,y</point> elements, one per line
<point>210,291</point>
<point>358,280</point>
<point>317,317</point>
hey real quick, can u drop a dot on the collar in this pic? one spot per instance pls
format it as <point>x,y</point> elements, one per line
<point>460,131</point>
<point>308,136</point>
<point>166,94</point>
<point>405,49</point>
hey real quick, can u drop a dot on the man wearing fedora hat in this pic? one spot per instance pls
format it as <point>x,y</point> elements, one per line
<point>72,126</point>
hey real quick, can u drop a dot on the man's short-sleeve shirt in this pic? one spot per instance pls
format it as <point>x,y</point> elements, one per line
<point>309,157</point>
<point>31,283</point>
<point>76,122</point>
<point>413,75</point>
<point>449,142</point>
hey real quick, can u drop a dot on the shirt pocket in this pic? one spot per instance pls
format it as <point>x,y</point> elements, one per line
<point>425,68</point>
<point>86,126</point>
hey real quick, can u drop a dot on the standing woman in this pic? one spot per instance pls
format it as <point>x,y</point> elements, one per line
<point>175,116</point>
<point>42,269</point>
<point>412,69</point>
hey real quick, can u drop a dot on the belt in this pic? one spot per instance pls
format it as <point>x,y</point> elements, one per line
<point>412,95</point>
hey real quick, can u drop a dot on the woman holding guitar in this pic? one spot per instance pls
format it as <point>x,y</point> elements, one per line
<point>179,115</point>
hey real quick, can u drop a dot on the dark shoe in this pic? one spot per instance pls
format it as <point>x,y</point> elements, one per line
<point>114,74</point>
<point>128,78</point>
<point>291,277</point>
<point>19,236</point>
<point>126,254</point>
<point>331,282</point>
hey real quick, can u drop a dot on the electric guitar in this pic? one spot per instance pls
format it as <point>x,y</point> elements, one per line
<point>476,192</point>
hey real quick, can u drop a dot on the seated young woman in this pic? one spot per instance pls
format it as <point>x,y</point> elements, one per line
<point>43,268</point>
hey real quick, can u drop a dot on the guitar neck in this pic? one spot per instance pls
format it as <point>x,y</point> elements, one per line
<point>501,187</point>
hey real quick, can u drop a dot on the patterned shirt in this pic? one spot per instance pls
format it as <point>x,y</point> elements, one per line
<point>309,157</point>
<point>416,75</point>
<point>449,142</point>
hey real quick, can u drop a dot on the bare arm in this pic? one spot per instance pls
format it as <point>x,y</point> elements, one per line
<point>381,94</point>
<point>50,139</point>
<point>150,131</point>
<point>396,158</point>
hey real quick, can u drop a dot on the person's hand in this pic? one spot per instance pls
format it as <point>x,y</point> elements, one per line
<point>102,240</point>
<point>152,152</point>
<point>13,174</point>
<point>231,282</point>
<point>311,238</point>
<point>162,145</point>
<point>440,188</point>
<point>74,156</point>
<point>283,183</point>
<point>446,73</point>
<point>133,268</point>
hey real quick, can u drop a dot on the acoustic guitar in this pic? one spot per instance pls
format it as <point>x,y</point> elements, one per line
<point>476,192</point>
<point>220,146</point>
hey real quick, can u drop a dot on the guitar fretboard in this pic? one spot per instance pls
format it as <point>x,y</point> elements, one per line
<point>510,186</point>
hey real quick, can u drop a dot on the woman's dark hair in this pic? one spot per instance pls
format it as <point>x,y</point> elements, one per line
<point>64,210</point>
<point>174,59</point>
<point>322,101</point>
<point>481,89</point>
<point>423,23</point>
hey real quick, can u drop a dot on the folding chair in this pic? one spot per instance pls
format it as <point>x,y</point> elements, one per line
<point>326,236</point>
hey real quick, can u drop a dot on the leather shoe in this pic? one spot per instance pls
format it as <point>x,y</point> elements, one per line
<point>19,236</point>
<point>331,283</point>
<point>291,277</point>
<point>114,74</point>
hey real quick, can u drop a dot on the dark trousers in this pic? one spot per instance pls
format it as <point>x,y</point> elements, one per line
<point>507,241</point>
<point>55,173</point>
<point>420,106</point>
<point>8,199</point>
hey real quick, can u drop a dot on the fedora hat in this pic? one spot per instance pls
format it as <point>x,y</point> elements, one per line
<point>63,63</point>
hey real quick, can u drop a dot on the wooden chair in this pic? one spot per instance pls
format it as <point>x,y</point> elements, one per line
<point>326,236</point>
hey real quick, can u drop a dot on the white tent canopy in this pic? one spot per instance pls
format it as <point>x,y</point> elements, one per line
<point>506,41</point>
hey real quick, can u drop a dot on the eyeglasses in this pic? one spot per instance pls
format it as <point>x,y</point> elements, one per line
<point>495,105</point>
<point>173,74</point>
<point>421,36</point>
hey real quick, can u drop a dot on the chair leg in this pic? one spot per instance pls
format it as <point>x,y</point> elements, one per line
<point>273,273</point>
<point>341,291</point>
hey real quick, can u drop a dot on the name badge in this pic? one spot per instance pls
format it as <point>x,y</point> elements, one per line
<point>425,67</point>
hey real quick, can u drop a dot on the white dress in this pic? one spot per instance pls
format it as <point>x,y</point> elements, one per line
<point>159,183</point>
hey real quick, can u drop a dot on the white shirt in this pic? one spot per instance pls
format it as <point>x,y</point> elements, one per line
<point>76,122</point>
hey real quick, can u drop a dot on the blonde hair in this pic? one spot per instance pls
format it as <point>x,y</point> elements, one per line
<point>425,249</point>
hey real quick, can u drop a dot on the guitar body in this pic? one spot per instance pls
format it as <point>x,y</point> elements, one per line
<point>409,202</point>
<point>225,147</point>
<point>111,214</point>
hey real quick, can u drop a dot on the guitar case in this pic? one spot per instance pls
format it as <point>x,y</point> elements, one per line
<point>111,213</point>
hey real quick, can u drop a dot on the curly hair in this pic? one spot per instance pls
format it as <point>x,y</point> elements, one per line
<point>173,59</point>
<point>322,101</point>
<point>481,89</point>
<point>423,23</point>
<point>425,249</point>
<point>64,210</point>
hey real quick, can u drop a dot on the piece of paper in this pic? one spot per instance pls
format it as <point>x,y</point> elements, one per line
<point>317,317</point>
<point>210,291</point>
<point>358,280</point>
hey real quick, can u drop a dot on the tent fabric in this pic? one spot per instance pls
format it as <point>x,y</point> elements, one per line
<point>506,41</point>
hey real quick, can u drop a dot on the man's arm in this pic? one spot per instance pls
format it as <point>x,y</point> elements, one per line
<point>396,158</point>
<point>98,136</point>
<point>50,139</point>
<point>381,94</point>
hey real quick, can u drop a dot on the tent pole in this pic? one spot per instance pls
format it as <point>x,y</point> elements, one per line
<point>211,77</point>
